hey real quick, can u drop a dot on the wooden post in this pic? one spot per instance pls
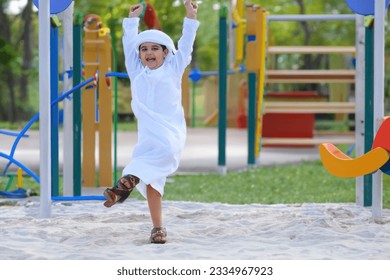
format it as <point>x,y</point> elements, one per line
<point>97,108</point>
<point>90,57</point>
<point>105,104</point>
<point>185,97</point>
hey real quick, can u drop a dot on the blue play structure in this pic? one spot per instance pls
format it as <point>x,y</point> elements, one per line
<point>20,193</point>
<point>22,133</point>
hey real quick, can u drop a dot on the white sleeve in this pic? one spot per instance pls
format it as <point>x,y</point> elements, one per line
<point>130,32</point>
<point>186,43</point>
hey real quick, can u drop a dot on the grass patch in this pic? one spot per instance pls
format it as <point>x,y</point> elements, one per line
<point>17,126</point>
<point>333,125</point>
<point>307,182</point>
<point>127,126</point>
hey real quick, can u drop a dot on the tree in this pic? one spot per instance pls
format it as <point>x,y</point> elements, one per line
<point>16,57</point>
<point>18,50</point>
<point>26,38</point>
<point>7,83</point>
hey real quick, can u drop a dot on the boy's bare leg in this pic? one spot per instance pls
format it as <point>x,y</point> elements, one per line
<point>155,206</point>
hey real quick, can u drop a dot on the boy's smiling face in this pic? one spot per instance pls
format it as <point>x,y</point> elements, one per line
<point>152,55</point>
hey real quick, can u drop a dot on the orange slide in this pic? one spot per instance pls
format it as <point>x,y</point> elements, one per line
<point>341,165</point>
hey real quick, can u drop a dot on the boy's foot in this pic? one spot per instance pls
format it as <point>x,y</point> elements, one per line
<point>121,191</point>
<point>158,235</point>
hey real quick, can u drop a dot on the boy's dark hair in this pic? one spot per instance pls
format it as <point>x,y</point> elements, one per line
<point>163,47</point>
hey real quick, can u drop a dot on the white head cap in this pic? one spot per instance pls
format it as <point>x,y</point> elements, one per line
<point>156,36</point>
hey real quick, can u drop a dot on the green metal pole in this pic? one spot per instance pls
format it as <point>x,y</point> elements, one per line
<point>222,82</point>
<point>114,67</point>
<point>77,74</point>
<point>369,108</point>
<point>252,79</point>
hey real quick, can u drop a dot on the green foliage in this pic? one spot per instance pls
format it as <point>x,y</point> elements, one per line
<point>7,53</point>
<point>205,56</point>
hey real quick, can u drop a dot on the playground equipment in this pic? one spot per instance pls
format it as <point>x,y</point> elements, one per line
<point>45,107</point>
<point>48,67</point>
<point>255,26</point>
<point>255,49</point>
<point>235,36</point>
<point>237,31</point>
<point>97,108</point>
<point>300,107</point>
<point>19,192</point>
<point>195,75</point>
<point>11,156</point>
<point>340,165</point>
<point>375,153</point>
<point>256,30</point>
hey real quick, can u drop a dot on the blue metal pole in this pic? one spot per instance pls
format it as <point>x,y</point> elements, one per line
<point>54,72</point>
<point>77,73</point>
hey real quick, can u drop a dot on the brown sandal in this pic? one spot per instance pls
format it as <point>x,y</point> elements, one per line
<point>158,235</point>
<point>120,192</point>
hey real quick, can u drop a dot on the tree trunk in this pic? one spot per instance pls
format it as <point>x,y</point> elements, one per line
<point>12,97</point>
<point>308,62</point>
<point>9,83</point>
<point>27,60</point>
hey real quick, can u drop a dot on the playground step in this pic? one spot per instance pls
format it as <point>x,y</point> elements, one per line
<point>311,50</point>
<point>310,76</point>
<point>307,141</point>
<point>309,107</point>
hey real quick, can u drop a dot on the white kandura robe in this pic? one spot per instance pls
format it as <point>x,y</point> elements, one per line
<point>156,103</point>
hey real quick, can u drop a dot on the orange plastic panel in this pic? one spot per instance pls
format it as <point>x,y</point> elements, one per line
<point>341,165</point>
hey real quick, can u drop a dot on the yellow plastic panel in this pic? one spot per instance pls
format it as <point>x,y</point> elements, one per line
<point>341,165</point>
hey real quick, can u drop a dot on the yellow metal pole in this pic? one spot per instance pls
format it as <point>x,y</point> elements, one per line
<point>262,33</point>
<point>20,178</point>
<point>91,62</point>
<point>238,16</point>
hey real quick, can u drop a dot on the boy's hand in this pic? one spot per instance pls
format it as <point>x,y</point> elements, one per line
<point>191,8</point>
<point>136,10</point>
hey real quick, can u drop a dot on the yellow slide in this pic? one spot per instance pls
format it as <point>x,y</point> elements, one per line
<point>341,165</point>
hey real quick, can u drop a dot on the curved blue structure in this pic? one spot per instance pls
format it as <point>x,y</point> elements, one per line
<point>22,133</point>
<point>364,7</point>
<point>56,6</point>
<point>10,156</point>
<point>78,198</point>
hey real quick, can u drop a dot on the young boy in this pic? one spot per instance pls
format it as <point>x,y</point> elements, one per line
<point>155,69</point>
